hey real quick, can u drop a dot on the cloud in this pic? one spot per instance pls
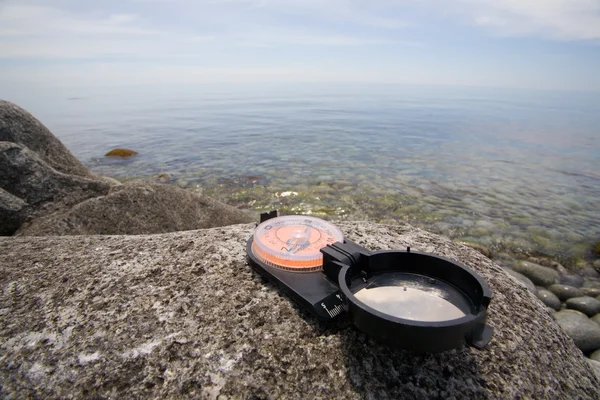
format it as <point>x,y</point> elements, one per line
<point>552,19</point>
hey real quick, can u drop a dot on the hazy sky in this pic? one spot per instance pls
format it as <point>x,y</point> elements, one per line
<point>516,43</point>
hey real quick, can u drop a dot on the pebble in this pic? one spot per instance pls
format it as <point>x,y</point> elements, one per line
<point>539,275</point>
<point>587,305</point>
<point>592,292</point>
<point>571,280</point>
<point>548,262</point>
<point>596,318</point>
<point>595,355</point>
<point>548,298</point>
<point>585,333</point>
<point>565,292</point>
<point>591,283</point>
<point>589,272</point>
<point>523,279</point>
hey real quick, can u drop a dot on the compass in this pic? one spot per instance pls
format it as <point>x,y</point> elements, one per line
<point>402,298</point>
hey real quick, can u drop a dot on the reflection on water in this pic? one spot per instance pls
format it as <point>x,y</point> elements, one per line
<point>505,168</point>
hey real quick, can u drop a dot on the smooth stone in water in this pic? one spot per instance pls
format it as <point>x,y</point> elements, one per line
<point>571,280</point>
<point>539,275</point>
<point>550,263</point>
<point>596,318</point>
<point>548,298</point>
<point>585,333</point>
<point>591,283</point>
<point>565,292</point>
<point>589,271</point>
<point>587,305</point>
<point>592,292</point>
<point>477,246</point>
<point>523,279</point>
<point>595,355</point>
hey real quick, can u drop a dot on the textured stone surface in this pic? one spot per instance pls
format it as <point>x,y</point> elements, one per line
<point>26,176</point>
<point>539,275</point>
<point>565,292</point>
<point>522,279</point>
<point>548,298</point>
<point>595,367</point>
<point>587,305</point>
<point>138,207</point>
<point>182,315</point>
<point>12,211</point>
<point>19,126</point>
<point>584,332</point>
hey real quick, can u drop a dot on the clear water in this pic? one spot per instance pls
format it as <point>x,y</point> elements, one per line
<point>506,168</point>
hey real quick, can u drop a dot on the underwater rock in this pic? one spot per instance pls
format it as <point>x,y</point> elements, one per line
<point>121,152</point>
<point>548,298</point>
<point>565,292</point>
<point>539,275</point>
<point>587,305</point>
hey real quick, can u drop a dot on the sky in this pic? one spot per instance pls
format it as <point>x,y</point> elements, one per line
<point>540,44</point>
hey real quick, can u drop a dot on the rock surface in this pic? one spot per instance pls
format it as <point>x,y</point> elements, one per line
<point>548,298</point>
<point>137,207</point>
<point>587,305</point>
<point>539,275</point>
<point>20,127</point>
<point>595,366</point>
<point>12,210</point>
<point>41,188</point>
<point>584,332</point>
<point>571,280</point>
<point>592,292</point>
<point>565,292</point>
<point>182,315</point>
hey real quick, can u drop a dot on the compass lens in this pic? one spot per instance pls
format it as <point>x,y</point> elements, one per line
<point>413,297</point>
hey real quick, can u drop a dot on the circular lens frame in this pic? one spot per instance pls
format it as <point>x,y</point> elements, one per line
<point>414,334</point>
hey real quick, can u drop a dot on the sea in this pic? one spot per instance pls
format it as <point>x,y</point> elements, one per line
<point>514,170</point>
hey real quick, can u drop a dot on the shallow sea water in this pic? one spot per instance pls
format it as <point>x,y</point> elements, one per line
<point>509,169</point>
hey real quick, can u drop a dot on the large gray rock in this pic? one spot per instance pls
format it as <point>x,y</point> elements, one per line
<point>41,188</point>
<point>539,275</point>
<point>565,292</point>
<point>12,210</point>
<point>182,315</point>
<point>137,207</point>
<point>584,332</point>
<point>19,126</point>
<point>587,305</point>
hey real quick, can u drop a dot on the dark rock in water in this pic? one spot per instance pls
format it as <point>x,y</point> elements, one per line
<point>592,292</point>
<point>548,298</point>
<point>182,315</point>
<point>12,210</point>
<point>591,283</point>
<point>120,152</point>
<point>20,127</point>
<point>589,272</point>
<point>550,263</point>
<point>596,250</point>
<point>587,305</point>
<point>523,279</point>
<point>135,208</point>
<point>596,318</point>
<point>41,188</point>
<point>477,246</point>
<point>539,275</point>
<point>571,280</point>
<point>565,292</point>
<point>584,332</point>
